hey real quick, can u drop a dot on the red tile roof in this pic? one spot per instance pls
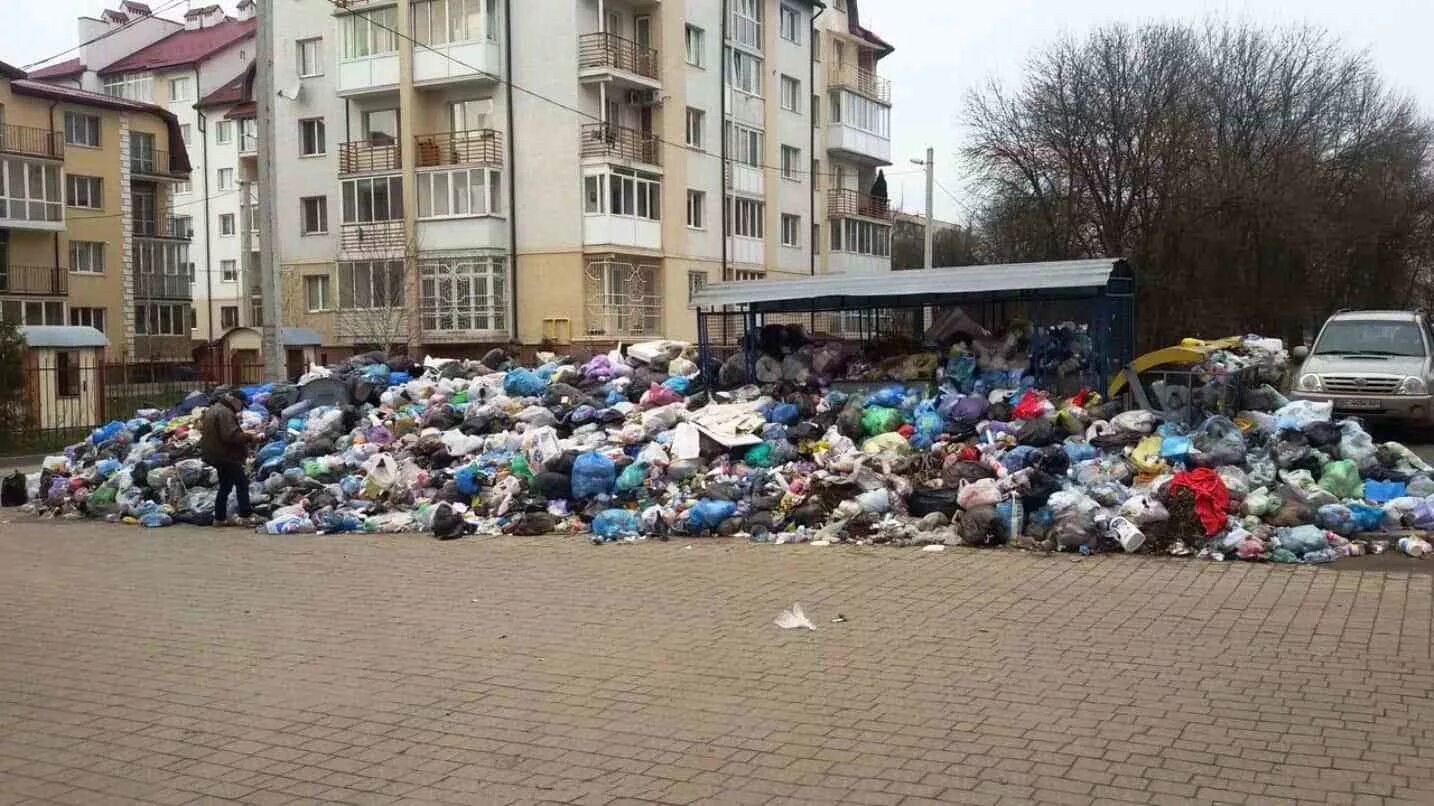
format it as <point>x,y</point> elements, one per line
<point>178,156</point>
<point>11,72</point>
<point>64,69</point>
<point>232,91</point>
<point>854,26</point>
<point>184,47</point>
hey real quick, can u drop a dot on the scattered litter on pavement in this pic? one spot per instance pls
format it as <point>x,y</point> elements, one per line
<point>794,619</point>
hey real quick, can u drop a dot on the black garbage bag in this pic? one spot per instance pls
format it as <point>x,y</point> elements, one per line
<point>849,422</point>
<point>1037,489</point>
<point>12,490</point>
<point>953,473</point>
<point>553,486</point>
<point>1000,412</point>
<point>475,425</point>
<point>283,396</point>
<point>440,459</point>
<point>730,526</point>
<point>927,500</point>
<point>495,359</point>
<point>443,418</point>
<point>811,513</point>
<point>401,363</point>
<point>194,518</point>
<point>448,524</point>
<point>364,390</point>
<point>980,526</point>
<point>804,430</point>
<point>1038,433</point>
<point>533,524</point>
<point>1116,439</point>
<point>562,463</point>
<point>733,371</point>
<point>427,445</point>
<point>723,492</point>
<point>320,446</point>
<point>1322,434</point>
<point>1052,459</point>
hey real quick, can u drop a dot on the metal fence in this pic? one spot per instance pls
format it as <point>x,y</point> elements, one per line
<point>68,394</point>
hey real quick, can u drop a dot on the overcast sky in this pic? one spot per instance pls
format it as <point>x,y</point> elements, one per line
<point>943,48</point>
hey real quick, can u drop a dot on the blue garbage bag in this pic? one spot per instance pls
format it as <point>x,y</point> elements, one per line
<point>929,425</point>
<point>1302,539</point>
<point>546,371</point>
<point>611,524</point>
<point>1382,491</point>
<point>107,431</point>
<point>593,475</point>
<point>890,397</point>
<point>1338,519</point>
<point>1011,514</point>
<point>1079,451</point>
<point>107,467</point>
<point>678,384</point>
<point>962,370</point>
<point>615,397</point>
<point>272,450</point>
<point>398,378</point>
<point>1366,517</point>
<point>155,519</point>
<point>1175,448</point>
<point>771,432</point>
<point>708,514</point>
<point>1017,458</point>
<point>523,383</point>
<point>466,478</point>
<point>784,413</point>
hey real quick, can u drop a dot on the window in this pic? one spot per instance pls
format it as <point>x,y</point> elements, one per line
<point>696,46</point>
<point>316,292</point>
<point>162,319</point>
<point>744,145</point>
<point>696,281</point>
<point>88,317</point>
<point>193,318</point>
<point>184,225</point>
<point>311,137</point>
<point>229,271</point>
<point>861,237</point>
<point>224,132</point>
<point>32,312</point>
<point>791,94</point>
<point>469,115</point>
<point>87,257</point>
<point>313,215</point>
<point>229,317</point>
<point>370,33</point>
<point>816,46</point>
<point>438,22</point>
<point>816,110</point>
<point>697,209</point>
<point>256,316</point>
<point>308,57</point>
<point>224,178</point>
<point>628,193</point>
<point>181,89</point>
<point>30,191</point>
<point>372,199</point>
<point>746,24</point>
<point>80,191</point>
<point>623,298</point>
<point>226,223</point>
<point>67,373</point>
<point>82,129</point>
<point>791,162</point>
<point>816,174</point>
<point>370,284</point>
<point>381,126</point>
<point>743,275</point>
<point>130,86</point>
<point>460,192</point>
<point>184,187</point>
<point>744,72</point>
<point>748,217</point>
<point>791,229</point>
<point>860,112</point>
<point>789,25</point>
<point>253,218</point>
<point>185,130</point>
<point>248,135</point>
<point>463,292</point>
<point>696,121</point>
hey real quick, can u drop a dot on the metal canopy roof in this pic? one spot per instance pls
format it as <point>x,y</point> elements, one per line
<point>62,336</point>
<point>1074,277</point>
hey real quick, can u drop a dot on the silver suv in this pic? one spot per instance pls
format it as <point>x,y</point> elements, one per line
<point>1373,364</point>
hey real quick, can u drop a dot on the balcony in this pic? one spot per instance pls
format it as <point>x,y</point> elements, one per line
<point>610,143</point>
<point>472,147</point>
<point>40,281</point>
<point>29,141</point>
<point>377,73</point>
<point>175,228</point>
<point>456,62</point>
<point>860,81</point>
<point>369,156</point>
<point>843,203</point>
<point>161,286</point>
<point>745,179</point>
<point>858,145</point>
<point>154,165</point>
<point>372,239</point>
<point>609,57</point>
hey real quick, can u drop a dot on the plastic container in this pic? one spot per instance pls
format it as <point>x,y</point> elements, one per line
<point>1128,534</point>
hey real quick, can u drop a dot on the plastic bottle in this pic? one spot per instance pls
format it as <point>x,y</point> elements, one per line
<point>1415,547</point>
<point>1017,524</point>
<point>1129,535</point>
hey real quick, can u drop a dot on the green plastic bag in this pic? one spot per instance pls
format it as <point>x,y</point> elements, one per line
<point>459,399</point>
<point>312,468</point>
<point>632,477</point>
<point>759,455</point>
<point>520,467</point>
<point>1341,479</point>
<point>880,420</point>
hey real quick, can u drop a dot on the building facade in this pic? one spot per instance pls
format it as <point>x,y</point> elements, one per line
<point>454,173</point>
<point>85,236</point>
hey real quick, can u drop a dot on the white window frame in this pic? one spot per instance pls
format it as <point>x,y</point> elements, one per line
<point>791,163</point>
<point>87,257</point>
<point>791,89</point>
<point>625,193</point>
<point>857,237</point>
<point>748,218</point>
<point>696,281</point>
<point>181,88</point>
<point>745,144</point>
<point>130,86</point>
<point>87,316</point>
<point>86,192</point>
<point>320,207</point>
<point>696,128</point>
<point>41,196</point>
<point>308,55</point>
<point>368,33</point>
<point>439,196</point>
<point>319,283</point>
<point>228,228</point>
<point>744,72</point>
<point>312,132</point>
<point>463,293</point>
<point>789,24</point>
<point>82,130</point>
<point>434,22</point>
<point>228,271</point>
<point>696,209</point>
<point>384,280</point>
<point>223,132</point>
<point>231,311</point>
<point>745,27</point>
<point>248,135</point>
<point>353,191</point>
<point>791,230</point>
<point>860,112</point>
<point>695,40</point>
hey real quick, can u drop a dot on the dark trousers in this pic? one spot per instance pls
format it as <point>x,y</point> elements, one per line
<point>231,477</point>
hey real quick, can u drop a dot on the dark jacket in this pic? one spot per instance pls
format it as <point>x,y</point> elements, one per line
<point>221,439</point>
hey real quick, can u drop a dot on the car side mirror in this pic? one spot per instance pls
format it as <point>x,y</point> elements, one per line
<point>1302,352</point>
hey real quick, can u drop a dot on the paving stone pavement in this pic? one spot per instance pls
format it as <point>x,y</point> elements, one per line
<point>185,665</point>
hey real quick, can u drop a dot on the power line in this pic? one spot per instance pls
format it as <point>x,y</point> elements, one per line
<point>109,33</point>
<point>343,6</point>
<point>171,207</point>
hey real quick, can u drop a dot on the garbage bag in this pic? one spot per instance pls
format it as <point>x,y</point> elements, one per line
<point>1011,518</point>
<point>1211,498</point>
<point>447,523</point>
<point>1300,413</point>
<point>12,490</point>
<point>1260,502</point>
<point>1356,445</point>
<point>1136,422</point>
<point>1366,518</point>
<point>1039,433</point>
<point>1218,441</point>
<point>1341,479</point>
<point>926,500</point>
<point>1078,450</point>
<point>890,397</point>
<point>1293,511</point>
<point>876,501</point>
<point>1322,434</point>
<point>523,383</point>
<point>1175,448</point>
<point>1145,456</point>
<point>889,443</point>
<point>985,492</point>
<point>1143,510</point>
<point>593,475</point>
<point>707,514</point>
<point>1018,458</point>
<point>980,526</point>
<point>612,524</point>
<point>1381,491</point>
<point>1302,540</point>
<point>784,413</point>
<point>632,477</point>
<point>1337,518</point>
<point>880,420</point>
<point>1033,405</point>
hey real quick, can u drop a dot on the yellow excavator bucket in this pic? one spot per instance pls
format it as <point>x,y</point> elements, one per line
<point>1189,351</point>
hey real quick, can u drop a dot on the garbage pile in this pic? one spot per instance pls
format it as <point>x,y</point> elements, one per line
<point>634,444</point>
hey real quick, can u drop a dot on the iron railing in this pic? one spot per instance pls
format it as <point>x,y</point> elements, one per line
<point>45,281</point>
<point>372,237</point>
<point>32,142</point>
<point>605,51</point>
<point>363,156</point>
<point>152,162</point>
<point>179,228</point>
<point>161,286</point>
<point>607,141</point>
<point>844,203</point>
<point>474,146</point>
<point>861,81</point>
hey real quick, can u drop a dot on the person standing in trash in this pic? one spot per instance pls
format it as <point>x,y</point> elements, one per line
<point>225,445</point>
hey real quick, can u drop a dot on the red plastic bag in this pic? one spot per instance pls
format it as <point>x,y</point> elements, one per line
<point>1211,496</point>
<point>1033,406</point>
<point>658,395</point>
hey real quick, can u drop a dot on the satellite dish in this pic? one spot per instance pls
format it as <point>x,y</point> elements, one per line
<point>291,92</point>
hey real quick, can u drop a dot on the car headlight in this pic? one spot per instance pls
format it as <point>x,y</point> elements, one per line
<point>1310,382</point>
<point>1413,386</point>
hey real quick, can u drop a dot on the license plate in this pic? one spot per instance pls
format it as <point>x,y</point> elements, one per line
<point>1359,405</point>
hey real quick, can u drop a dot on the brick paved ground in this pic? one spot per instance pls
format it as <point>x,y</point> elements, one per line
<point>186,665</point>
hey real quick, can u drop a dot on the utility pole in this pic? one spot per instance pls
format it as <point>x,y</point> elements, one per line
<point>930,187</point>
<point>268,255</point>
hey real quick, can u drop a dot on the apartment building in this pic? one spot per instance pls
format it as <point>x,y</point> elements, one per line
<point>83,240</point>
<point>189,67</point>
<point>468,172</point>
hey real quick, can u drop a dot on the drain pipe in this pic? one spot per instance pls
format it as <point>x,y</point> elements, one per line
<point>722,129</point>
<point>208,244</point>
<point>812,130</point>
<point>512,163</point>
